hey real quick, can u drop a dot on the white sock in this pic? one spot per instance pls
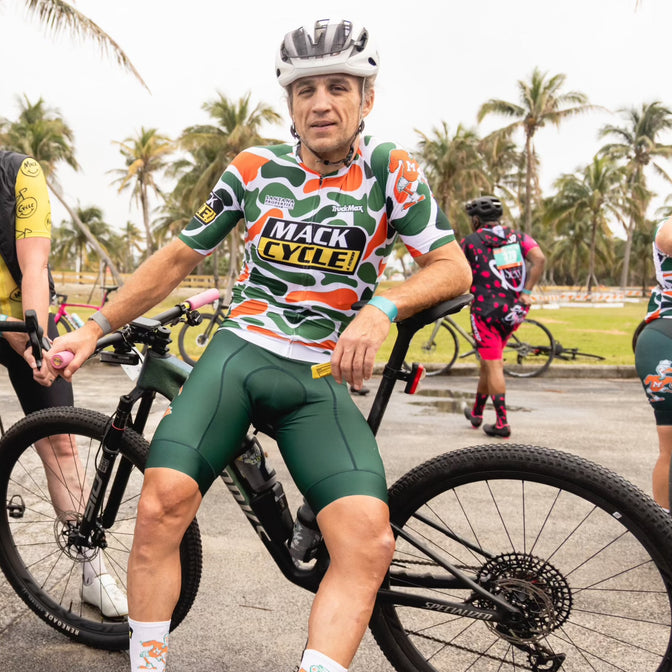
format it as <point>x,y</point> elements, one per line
<point>92,566</point>
<point>314,661</point>
<point>148,647</point>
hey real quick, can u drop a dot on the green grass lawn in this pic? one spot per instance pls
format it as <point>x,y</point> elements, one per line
<point>605,331</point>
<point>601,331</point>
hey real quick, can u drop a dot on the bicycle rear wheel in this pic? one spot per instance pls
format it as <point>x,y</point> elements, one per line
<point>36,551</point>
<point>192,341</point>
<point>584,555</point>
<point>529,351</point>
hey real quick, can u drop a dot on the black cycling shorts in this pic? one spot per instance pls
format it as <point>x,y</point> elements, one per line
<point>653,359</point>
<point>324,439</point>
<point>33,396</point>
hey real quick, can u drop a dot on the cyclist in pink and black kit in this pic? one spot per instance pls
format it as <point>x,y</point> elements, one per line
<point>506,265</point>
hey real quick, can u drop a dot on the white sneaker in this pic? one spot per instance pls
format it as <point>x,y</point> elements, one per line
<point>104,594</point>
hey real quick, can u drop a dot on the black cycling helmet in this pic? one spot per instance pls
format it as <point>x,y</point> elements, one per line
<point>486,208</point>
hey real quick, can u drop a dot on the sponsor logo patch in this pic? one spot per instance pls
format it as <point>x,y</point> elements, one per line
<point>210,209</point>
<point>279,202</point>
<point>337,249</point>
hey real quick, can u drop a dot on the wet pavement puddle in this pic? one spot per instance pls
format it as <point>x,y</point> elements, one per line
<point>448,401</point>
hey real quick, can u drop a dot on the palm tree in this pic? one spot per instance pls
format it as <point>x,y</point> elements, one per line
<point>637,145</point>
<point>455,169</point>
<point>144,155</point>
<point>72,243</point>
<point>541,101</point>
<point>42,133</point>
<point>58,16</point>
<point>593,196</point>
<point>130,239</point>
<point>211,148</point>
<point>237,127</point>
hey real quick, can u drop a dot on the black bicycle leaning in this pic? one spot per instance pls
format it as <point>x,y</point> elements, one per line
<point>195,334</point>
<point>508,557</point>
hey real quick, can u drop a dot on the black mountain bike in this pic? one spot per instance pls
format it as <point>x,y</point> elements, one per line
<point>508,557</point>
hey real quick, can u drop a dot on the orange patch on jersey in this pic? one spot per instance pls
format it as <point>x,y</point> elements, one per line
<point>378,238</point>
<point>248,165</point>
<point>265,332</point>
<point>351,181</point>
<point>251,307</point>
<point>256,229</point>
<point>244,274</point>
<point>341,299</point>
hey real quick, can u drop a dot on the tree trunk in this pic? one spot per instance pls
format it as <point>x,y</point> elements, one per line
<point>625,272</point>
<point>88,235</point>
<point>527,226</point>
<point>144,200</point>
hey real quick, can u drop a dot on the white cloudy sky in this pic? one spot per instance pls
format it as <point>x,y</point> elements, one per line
<point>440,60</point>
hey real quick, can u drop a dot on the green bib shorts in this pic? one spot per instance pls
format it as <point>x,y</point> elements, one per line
<point>324,439</point>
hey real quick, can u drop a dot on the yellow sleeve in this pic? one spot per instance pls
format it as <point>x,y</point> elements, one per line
<point>33,211</point>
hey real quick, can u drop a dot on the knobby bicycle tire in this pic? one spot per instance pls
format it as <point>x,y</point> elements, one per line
<point>585,556</point>
<point>34,552</point>
<point>529,351</point>
<point>192,341</point>
<point>438,352</point>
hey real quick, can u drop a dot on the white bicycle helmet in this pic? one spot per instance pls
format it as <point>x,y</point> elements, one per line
<point>330,47</point>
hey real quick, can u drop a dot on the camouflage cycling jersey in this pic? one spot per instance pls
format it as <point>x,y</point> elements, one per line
<point>660,303</point>
<point>314,245</point>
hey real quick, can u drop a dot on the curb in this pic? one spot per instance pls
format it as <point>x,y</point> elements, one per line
<point>554,371</point>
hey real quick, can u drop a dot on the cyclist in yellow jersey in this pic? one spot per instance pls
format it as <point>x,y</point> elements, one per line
<point>25,283</point>
<point>321,219</point>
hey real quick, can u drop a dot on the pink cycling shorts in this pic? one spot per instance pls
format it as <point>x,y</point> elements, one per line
<point>490,341</point>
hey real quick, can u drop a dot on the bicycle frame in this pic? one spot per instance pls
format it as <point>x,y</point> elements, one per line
<point>162,373</point>
<point>63,304</point>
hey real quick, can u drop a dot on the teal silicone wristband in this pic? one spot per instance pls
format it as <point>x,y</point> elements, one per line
<point>526,291</point>
<point>386,306</point>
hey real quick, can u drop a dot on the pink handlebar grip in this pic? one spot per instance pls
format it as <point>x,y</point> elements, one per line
<point>60,360</point>
<point>208,296</point>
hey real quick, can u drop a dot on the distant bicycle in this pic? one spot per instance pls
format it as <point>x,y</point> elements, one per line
<point>528,353</point>
<point>196,332</point>
<point>69,321</point>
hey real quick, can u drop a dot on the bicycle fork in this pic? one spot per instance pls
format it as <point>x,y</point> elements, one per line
<point>91,533</point>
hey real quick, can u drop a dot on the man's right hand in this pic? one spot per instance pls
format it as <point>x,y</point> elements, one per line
<point>81,343</point>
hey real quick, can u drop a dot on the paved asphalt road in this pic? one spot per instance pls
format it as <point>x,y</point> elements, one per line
<point>246,616</point>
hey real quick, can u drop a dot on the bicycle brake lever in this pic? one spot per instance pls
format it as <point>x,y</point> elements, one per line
<point>35,336</point>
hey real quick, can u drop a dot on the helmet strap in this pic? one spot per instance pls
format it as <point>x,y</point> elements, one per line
<point>346,160</point>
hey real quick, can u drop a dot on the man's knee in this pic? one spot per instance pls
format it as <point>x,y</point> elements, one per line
<point>168,502</point>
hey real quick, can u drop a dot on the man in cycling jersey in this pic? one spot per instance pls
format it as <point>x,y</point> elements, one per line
<point>499,258</point>
<point>321,219</point>
<point>25,284</point>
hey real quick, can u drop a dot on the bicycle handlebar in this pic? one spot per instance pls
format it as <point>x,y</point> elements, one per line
<point>142,325</point>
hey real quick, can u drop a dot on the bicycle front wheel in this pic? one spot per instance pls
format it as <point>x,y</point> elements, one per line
<point>37,550</point>
<point>438,346</point>
<point>64,325</point>
<point>192,341</point>
<point>583,555</point>
<point>529,351</point>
